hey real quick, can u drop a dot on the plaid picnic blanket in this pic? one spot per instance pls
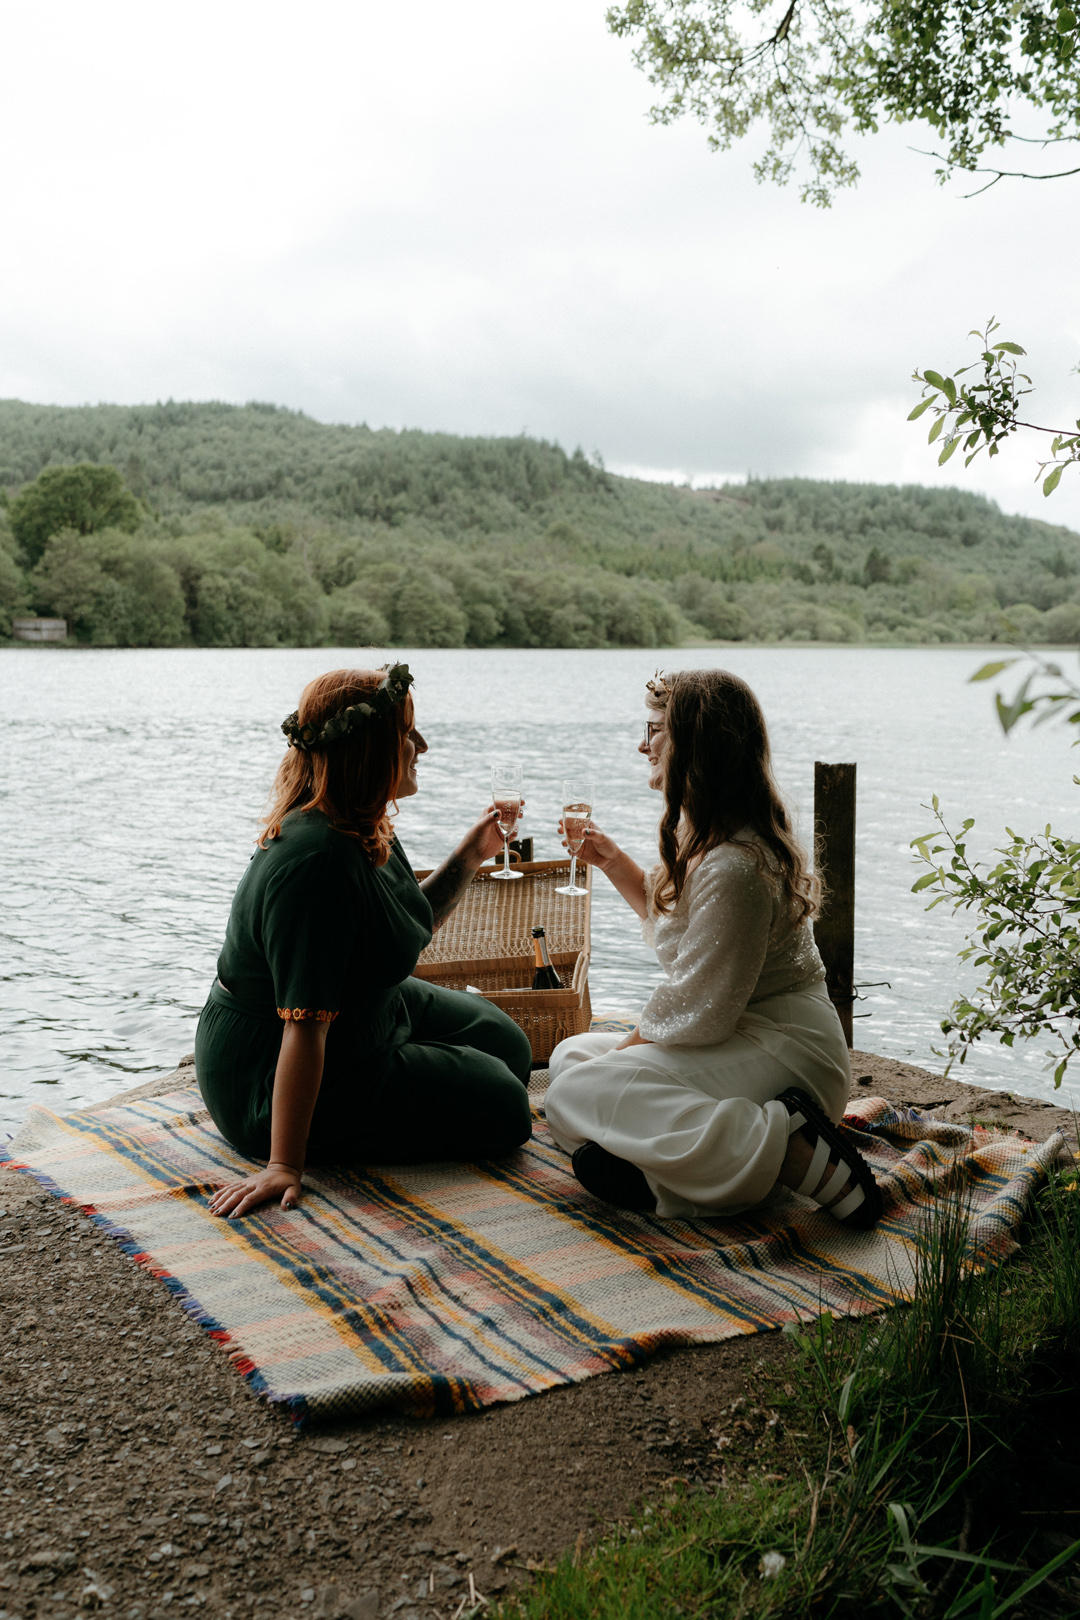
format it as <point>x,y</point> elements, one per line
<point>443,1288</point>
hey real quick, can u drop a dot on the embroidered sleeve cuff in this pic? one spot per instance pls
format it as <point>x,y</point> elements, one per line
<point>297,1014</point>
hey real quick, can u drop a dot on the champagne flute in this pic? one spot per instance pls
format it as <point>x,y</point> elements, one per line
<point>506,796</point>
<point>577,798</point>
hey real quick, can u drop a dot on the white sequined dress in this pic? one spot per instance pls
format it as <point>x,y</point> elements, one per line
<point>741,1014</point>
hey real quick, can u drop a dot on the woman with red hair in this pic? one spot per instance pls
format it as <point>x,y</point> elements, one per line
<point>316,1044</point>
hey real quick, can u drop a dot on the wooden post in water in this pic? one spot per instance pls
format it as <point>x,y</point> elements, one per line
<point>834,930</point>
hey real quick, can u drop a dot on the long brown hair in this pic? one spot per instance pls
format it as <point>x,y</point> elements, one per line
<point>717,780</point>
<point>354,781</point>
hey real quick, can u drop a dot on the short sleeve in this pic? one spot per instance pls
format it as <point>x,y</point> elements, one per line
<point>312,913</point>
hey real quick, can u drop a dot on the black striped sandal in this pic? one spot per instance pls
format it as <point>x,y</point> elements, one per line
<point>863,1206</point>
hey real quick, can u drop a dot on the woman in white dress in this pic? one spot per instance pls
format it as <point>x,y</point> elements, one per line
<point>729,1087</point>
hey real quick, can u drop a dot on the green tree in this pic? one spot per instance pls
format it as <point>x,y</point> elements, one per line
<point>878,567</point>
<point>722,617</point>
<point>426,612</point>
<point>825,558</point>
<point>1062,623</point>
<point>482,594</point>
<point>238,594</point>
<point>635,615</point>
<point>354,620</point>
<point>85,498</point>
<point>811,69</point>
<point>113,589</point>
<point>13,591</point>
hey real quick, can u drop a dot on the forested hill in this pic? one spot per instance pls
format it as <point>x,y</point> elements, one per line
<point>260,526</point>
<point>263,458</point>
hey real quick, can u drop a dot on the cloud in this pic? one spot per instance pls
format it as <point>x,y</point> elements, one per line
<point>459,218</point>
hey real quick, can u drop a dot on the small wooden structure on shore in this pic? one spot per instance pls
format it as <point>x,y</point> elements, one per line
<point>39,629</point>
<point>834,857</point>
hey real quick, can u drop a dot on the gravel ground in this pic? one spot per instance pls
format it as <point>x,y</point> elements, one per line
<point>141,1479</point>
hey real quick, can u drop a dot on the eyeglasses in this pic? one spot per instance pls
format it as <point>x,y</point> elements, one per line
<point>651,728</point>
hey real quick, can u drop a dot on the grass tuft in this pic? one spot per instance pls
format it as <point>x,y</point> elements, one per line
<point>938,1479</point>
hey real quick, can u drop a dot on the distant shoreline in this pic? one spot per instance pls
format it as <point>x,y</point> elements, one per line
<point>1010,649</point>
<point>247,526</point>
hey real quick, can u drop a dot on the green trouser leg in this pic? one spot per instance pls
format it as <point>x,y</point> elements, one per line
<point>454,1089</point>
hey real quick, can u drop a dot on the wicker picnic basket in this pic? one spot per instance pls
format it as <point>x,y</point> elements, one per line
<point>486,942</point>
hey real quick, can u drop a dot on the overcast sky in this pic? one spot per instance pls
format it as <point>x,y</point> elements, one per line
<point>458,217</point>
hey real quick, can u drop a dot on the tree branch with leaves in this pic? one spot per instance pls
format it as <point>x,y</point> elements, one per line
<point>1060,700</point>
<point>1027,906</point>
<point>811,69</point>
<point>982,414</point>
<point>1027,937</point>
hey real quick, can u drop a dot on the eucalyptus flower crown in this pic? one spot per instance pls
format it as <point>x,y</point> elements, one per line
<point>389,692</point>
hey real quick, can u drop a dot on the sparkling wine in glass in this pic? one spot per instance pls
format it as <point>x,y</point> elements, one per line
<point>506,796</point>
<point>577,797</point>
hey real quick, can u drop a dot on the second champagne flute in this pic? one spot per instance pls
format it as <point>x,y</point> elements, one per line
<point>506,796</point>
<point>577,798</point>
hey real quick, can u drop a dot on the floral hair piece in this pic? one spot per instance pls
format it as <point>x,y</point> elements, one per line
<point>389,692</point>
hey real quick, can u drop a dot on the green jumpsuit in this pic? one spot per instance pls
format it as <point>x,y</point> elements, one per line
<point>412,1071</point>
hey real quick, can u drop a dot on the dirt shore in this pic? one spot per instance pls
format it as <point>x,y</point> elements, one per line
<point>142,1479</point>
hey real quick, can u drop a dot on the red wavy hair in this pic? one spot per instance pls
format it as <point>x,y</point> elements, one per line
<point>355,781</point>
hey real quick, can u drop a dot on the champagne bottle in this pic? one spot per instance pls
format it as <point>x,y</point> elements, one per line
<point>545,977</point>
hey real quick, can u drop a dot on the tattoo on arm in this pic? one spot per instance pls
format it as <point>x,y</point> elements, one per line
<point>445,887</point>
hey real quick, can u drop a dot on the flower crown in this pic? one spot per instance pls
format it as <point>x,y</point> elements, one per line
<point>389,692</point>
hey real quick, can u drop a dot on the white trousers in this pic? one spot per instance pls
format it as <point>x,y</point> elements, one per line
<point>702,1122</point>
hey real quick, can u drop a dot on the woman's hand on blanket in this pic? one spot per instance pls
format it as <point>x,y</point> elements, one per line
<point>597,848</point>
<point>278,1181</point>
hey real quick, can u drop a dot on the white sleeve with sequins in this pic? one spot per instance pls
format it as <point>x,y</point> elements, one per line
<point>719,958</point>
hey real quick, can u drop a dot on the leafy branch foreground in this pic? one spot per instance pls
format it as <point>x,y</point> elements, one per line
<point>1027,938</point>
<point>937,1478</point>
<point>810,70</point>
<point>1052,702</point>
<point>982,414</point>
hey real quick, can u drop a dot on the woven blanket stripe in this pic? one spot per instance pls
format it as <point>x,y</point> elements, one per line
<point>216,1262</point>
<point>536,1302</point>
<point>716,1275</point>
<point>437,1299</point>
<point>443,1288</point>
<point>523,1349</point>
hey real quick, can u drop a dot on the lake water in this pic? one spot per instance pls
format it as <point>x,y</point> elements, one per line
<point>133,779</point>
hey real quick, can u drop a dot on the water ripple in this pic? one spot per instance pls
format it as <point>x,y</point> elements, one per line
<point>134,781</point>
